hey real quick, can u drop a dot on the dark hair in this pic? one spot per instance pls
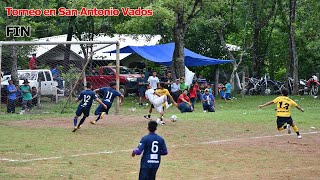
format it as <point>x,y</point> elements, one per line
<point>284,92</point>
<point>152,126</point>
<point>89,84</point>
<point>161,84</point>
<point>112,84</point>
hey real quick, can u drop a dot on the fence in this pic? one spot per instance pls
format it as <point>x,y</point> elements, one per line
<point>56,71</point>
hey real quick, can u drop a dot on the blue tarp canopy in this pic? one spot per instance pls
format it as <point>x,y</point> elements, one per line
<point>163,53</point>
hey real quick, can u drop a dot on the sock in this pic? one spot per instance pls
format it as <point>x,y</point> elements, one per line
<point>75,121</point>
<point>166,103</point>
<point>295,128</point>
<point>98,118</point>
<point>82,120</point>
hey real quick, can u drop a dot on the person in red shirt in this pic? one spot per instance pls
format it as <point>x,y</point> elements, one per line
<point>32,62</point>
<point>194,87</point>
<point>184,104</point>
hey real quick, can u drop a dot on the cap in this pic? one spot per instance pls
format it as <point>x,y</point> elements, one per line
<point>206,89</point>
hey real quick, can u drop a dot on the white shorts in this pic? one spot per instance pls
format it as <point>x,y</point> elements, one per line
<point>157,103</point>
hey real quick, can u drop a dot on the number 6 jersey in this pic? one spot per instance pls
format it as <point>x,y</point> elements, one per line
<point>153,146</point>
<point>284,105</point>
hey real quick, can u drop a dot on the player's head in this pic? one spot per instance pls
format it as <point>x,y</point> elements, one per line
<point>89,85</point>
<point>154,73</point>
<point>160,85</point>
<point>10,82</point>
<point>113,85</point>
<point>206,91</point>
<point>152,126</point>
<point>284,92</point>
<point>185,92</point>
<point>149,86</point>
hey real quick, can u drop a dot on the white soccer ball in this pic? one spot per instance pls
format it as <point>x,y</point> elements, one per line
<point>173,118</point>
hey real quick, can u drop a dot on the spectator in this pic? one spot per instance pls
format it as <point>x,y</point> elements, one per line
<point>33,62</point>
<point>167,81</point>
<point>208,102</point>
<point>175,89</point>
<point>153,80</point>
<point>183,85</point>
<point>228,91</point>
<point>56,76</point>
<point>142,83</point>
<point>193,92</point>
<point>184,104</point>
<point>223,93</point>
<point>210,88</point>
<point>12,96</point>
<point>26,96</point>
<point>34,93</point>
<point>19,96</point>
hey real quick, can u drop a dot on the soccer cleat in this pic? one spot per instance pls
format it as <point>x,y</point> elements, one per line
<point>162,123</point>
<point>75,129</point>
<point>102,114</point>
<point>147,116</point>
<point>93,122</point>
<point>288,127</point>
<point>168,106</point>
<point>299,136</point>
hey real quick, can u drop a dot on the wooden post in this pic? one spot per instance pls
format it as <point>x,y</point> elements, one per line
<point>243,84</point>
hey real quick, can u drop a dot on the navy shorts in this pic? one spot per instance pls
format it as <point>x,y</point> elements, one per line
<point>142,92</point>
<point>282,120</point>
<point>148,173</point>
<point>86,112</point>
<point>101,109</point>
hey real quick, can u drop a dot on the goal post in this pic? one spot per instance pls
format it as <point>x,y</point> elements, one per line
<point>56,53</point>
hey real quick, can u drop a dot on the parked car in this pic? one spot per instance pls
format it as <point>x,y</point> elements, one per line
<point>106,74</point>
<point>42,79</point>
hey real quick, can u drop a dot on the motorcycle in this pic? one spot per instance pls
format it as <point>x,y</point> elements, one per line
<point>302,86</point>
<point>313,85</point>
<point>264,86</point>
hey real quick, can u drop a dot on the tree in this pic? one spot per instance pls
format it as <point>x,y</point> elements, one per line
<point>293,47</point>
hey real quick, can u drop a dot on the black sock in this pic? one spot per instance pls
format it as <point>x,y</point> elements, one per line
<point>82,121</point>
<point>98,118</point>
<point>298,133</point>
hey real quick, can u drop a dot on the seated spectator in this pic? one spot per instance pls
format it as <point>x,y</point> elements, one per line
<point>210,88</point>
<point>175,89</point>
<point>184,104</point>
<point>34,93</point>
<point>183,85</point>
<point>223,93</point>
<point>208,101</point>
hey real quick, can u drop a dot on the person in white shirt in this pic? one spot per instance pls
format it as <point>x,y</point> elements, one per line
<point>156,100</point>
<point>153,80</point>
<point>175,89</point>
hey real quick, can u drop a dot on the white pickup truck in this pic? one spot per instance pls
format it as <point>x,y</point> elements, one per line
<point>42,79</point>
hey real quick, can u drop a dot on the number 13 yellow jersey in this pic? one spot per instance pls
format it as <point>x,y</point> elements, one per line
<point>284,105</point>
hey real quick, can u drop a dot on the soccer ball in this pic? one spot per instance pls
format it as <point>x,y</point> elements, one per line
<point>173,118</point>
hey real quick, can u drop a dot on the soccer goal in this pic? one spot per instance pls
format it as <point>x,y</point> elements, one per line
<point>56,71</point>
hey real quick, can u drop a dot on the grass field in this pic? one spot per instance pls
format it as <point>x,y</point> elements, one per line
<point>238,141</point>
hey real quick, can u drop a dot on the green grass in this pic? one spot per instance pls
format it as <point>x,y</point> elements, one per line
<point>187,158</point>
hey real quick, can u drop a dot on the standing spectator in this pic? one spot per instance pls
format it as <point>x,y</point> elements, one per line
<point>142,83</point>
<point>184,104</point>
<point>33,62</point>
<point>183,85</point>
<point>153,147</point>
<point>228,90</point>
<point>153,80</point>
<point>167,80</point>
<point>26,96</point>
<point>12,96</point>
<point>56,76</point>
<point>193,92</point>
<point>34,93</point>
<point>208,102</point>
<point>147,74</point>
<point>175,89</point>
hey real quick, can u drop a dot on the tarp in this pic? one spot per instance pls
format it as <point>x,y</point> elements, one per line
<point>163,53</point>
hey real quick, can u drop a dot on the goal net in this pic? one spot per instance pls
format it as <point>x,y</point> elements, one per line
<point>56,71</point>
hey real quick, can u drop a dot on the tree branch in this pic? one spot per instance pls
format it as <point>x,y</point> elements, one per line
<point>271,13</point>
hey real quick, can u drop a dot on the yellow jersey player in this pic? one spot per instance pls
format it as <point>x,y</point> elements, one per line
<point>284,120</point>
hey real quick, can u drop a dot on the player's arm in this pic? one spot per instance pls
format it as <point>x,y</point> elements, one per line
<point>121,99</point>
<point>266,104</point>
<point>100,102</point>
<point>164,150</point>
<point>96,90</point>
<point>298,107</point>
<point>157,93</point>
<point>139,149</point>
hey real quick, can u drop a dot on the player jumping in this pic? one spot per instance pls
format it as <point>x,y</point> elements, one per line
<point>86,96</point>
<point>284,120</point>
<point>108,94</point>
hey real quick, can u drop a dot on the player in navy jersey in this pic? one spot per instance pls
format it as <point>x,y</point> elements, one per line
<point>108,95</point>
<point>86,97</point>
<point>152,146</point>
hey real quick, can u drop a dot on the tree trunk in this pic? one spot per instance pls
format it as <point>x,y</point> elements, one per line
<point>216,81</point>
<point>177,66</point>
<point>293,49</point>
<point>14,72</point>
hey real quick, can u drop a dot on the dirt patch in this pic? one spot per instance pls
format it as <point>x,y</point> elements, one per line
<point>109,120</point>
